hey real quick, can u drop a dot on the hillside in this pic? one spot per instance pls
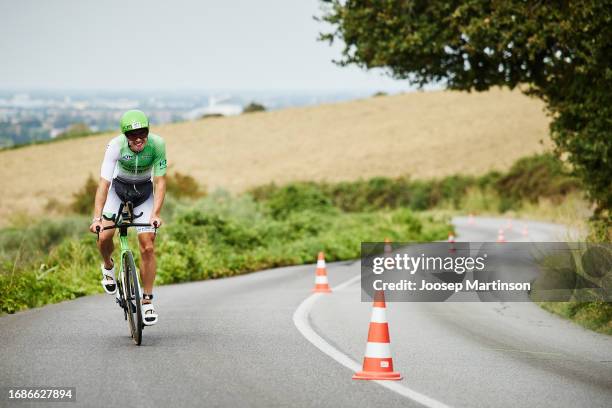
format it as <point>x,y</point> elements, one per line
<point>421,134</point>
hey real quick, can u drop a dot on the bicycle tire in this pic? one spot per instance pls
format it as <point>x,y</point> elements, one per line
<point>132,297</point>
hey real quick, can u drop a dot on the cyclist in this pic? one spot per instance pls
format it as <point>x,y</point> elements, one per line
<point>131,161</point>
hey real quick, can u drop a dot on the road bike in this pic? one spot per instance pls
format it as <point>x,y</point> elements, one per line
<point>129,292</point>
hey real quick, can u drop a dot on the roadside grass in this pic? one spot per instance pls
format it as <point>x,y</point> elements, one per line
<point>596,316</point>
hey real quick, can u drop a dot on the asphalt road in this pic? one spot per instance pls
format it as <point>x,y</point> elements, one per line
<point>234,342</point>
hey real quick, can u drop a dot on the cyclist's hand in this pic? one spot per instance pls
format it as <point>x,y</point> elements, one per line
<point>94,225</point>
<point>156,221</point>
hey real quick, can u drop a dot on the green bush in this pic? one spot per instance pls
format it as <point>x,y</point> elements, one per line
<point>297,197</point>
<point>536,176</point>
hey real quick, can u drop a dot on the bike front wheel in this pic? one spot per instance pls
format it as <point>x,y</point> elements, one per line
<point>132,297</point>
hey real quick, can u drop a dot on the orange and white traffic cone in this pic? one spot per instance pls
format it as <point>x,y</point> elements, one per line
<point>451,242</point>
<point>471,219</point>
<point>500,236</point>
<point>509,224</point>
<point>377,363</point>
<point>525,231</point>
<point>388,248</point>
<point>321,282</point>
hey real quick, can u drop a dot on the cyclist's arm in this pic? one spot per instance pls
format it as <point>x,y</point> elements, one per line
<point>159,173</point>
<point>101,194</point>
<point>160,193</point>
<point>106,175</point>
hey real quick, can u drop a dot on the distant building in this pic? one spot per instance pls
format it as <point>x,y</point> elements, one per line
<point>215,107</point>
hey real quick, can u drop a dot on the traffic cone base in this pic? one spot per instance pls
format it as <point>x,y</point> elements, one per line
<point>373,375</point>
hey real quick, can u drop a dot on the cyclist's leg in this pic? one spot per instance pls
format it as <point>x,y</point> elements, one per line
<point>105,243</point>
<point>146,241</point>
<point>147,261</point>
<point>146,244</point>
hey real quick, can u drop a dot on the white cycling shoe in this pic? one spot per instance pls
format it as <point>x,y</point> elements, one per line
<point>149,315</point>
<point>108,279</point>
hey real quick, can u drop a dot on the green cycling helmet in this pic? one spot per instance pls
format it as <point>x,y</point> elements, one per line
<point>133,119</point>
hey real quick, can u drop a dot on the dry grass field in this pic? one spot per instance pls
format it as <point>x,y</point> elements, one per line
<point>424,134</point>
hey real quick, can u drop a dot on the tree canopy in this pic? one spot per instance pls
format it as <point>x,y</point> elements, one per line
<point>559,51</point>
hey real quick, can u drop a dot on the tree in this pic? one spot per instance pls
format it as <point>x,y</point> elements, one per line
<point>559,51</point>
<point>253,107</point>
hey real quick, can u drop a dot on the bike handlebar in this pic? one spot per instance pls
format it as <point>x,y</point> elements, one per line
<point>127,225</point>
<point>124,225</point>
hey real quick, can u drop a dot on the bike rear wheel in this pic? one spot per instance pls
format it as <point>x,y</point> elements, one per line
<point>132,297</point>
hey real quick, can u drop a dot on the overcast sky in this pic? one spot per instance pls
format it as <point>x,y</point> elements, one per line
<point>172,44</point>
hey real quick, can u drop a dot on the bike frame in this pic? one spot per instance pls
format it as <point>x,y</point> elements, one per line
<point>125,248</point>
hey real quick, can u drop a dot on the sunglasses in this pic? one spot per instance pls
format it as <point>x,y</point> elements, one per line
<point>137,134</point>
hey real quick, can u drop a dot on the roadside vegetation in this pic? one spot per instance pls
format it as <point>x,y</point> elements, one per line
<point>595,316</point>
<point>528,182</point>
<point>210,237</point>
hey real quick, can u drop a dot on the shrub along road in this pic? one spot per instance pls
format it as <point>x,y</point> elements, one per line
<point>232,342</point>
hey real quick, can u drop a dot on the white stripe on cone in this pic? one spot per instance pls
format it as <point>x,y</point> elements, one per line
<point>379,315</point>
<point>321,263</point>
<point>321,280</point>
<point>378,350</point>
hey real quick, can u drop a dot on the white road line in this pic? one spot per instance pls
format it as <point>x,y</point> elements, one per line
<point>301,321</point>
